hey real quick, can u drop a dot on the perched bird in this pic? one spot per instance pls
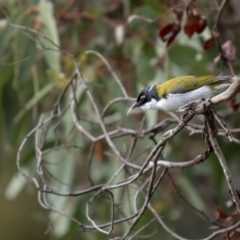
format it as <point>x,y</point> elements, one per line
<point>176,92</point>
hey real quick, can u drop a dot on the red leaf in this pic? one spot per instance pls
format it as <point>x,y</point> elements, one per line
<point>189,26</point>
<point>220,214</point>
<point>228,51</point>
<point>233,236</point>
<point>194,23</point>
<point>238,193</point>
<point>235,106</point>
<point>209,43</point>
<point>174,34</point>
<point>166,31</point>
<point>201,24</point>
<point>169,32</point>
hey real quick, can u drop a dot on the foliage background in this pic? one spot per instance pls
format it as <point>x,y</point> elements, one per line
<point>31,81</point>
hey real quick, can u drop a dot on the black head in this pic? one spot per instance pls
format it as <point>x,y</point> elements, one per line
<point>145,96</point>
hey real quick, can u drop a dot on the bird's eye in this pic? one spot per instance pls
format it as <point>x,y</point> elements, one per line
<point>143,97</point>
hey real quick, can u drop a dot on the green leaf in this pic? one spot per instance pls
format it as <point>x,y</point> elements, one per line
<point>189,189</point>
<point>6,75</point>
<point>50,31</point>
<point>156,6</point>
<point>5,37</point>
<point>15,185</point>
<point>33,101</point>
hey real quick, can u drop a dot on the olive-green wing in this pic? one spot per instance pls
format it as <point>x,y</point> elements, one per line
<point>188,83</point>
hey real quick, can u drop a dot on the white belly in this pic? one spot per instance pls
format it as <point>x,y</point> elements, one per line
<point>174,101</point>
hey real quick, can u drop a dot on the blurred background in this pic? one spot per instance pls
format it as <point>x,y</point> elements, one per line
<point>146,42</point>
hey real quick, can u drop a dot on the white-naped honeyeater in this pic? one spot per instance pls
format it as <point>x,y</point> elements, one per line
<point>174,93</point>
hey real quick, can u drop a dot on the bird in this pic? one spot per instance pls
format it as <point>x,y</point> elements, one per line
<point>174,93</point>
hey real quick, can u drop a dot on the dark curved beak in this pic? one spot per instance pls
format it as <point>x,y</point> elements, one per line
<point>132,107</point>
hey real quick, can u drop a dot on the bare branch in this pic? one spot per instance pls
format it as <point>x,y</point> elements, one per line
<point>224,165</point>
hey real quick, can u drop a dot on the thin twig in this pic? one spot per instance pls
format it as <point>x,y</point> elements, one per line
<point>224,166</point>
<point>110,70</point>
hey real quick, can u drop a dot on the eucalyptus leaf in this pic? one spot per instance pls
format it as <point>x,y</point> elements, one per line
<point>50,32</point>
<point>15,185</point>
<point>5,37</point>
